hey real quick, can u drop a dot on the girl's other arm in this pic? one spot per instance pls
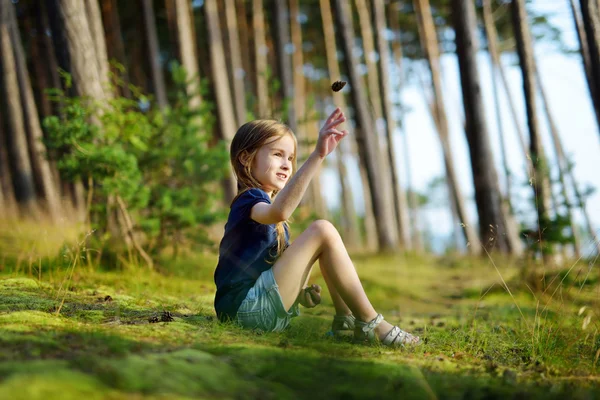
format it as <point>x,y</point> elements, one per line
<point>290,196</point>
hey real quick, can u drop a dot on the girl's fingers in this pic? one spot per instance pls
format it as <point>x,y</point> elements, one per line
<point>333,115</point>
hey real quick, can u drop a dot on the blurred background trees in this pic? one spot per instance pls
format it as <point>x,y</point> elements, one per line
<point>118,115</point>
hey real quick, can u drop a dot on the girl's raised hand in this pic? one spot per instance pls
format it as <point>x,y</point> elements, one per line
<point>329,135</point>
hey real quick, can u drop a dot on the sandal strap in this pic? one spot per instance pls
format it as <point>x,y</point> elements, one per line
<point>367,327</point>
<point>398,337</point>
<point>343,322</point>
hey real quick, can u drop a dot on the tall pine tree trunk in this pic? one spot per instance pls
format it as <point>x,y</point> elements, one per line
<point>260,57</point>
<point>374,104</point>
<point>187,48</point>
<point>94,19</point>
<point>21,171</point>
<point>392,152</point>
<point>114,42</point>
<point>245,46</point>
<point>368,144</point>
<point>239,93</point>
<point>590,16</point>
<point>430,46</point>
<point>540,185</point>
<point>587,63</point>
<point>158,80</point>
<point>226,115</point>
<point>413,204</point>
<point>349,221</point>
<point>492,230</point>
<point>10,210</point>
<point>282,39</point>
<point>512,229</point>
<point>37,150</point>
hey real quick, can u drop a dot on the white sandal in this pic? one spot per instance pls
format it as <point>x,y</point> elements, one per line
<point>364,332</point>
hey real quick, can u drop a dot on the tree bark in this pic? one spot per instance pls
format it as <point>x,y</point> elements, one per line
<point>79,53</point>
<point>226,114</point>
<point>158,79</point>
<point>187,50</point>
<point>587,64</point>
<point>260,55</point>
<point>245,47</point>
<point>37,150</point>
<point>350,226</point>
<point>94,19</point>
<point>512,229</point>
<point>368,144</point>
<point>239,93</point>
<point>397,191</point>
<point>492,230</point>
<point>10,209</point>
<point>413,204</point>
<point>525,51</point>
<point>430,46</point>
<point>22,173</point>
<point>114,38</point>
<point>590,15</point>
<point>282,39</point>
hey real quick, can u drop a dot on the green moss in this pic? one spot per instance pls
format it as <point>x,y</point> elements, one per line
<point>183,372</point>
<point>52,384</point>
<point>472,335</point>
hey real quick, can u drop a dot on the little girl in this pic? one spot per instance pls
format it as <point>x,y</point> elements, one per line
<point>260,277</point>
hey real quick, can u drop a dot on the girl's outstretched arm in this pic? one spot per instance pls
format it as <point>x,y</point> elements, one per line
<point>290,196</point>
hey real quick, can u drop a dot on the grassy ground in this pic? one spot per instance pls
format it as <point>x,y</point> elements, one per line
<point>74,332</point>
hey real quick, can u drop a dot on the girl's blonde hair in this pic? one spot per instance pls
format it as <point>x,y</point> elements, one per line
<point>248,139</point>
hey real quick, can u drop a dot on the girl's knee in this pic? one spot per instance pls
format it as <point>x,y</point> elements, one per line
<point>324,229</point>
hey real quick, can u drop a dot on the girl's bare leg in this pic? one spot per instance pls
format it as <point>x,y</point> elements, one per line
<point>341,308</point>
<point>321,241</point>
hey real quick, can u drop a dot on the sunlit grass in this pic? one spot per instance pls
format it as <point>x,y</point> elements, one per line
<point>85,330</point>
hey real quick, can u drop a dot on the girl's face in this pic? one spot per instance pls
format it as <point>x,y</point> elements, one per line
<point>272,165</point>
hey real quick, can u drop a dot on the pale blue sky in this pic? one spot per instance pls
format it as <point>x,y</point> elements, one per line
<point>563,78</point>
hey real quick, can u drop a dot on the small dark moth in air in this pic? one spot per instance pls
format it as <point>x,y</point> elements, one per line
<point>338,85</point>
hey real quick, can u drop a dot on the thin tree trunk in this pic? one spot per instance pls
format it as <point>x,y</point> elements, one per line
<point>260,56</point>
<point>6,186</point>
<point>282,39</point>
<point>590,15</point>
<point>226,115</point>
<point>350,227</point>
<point>114,39</point>
<point>22,173</point>
<point>245,47</point>
<point>430,46</point>
<point>587,63</point>
<point>299,103</point>
<point>492,230</point>
<point>525,51</point>
<point>562,164</point>
<point>187,50</point>
<point>512,228</point>
<point>236,62</point>
<point>37,149</point>
<point>374,99</point>
<point>366,30</point>
<point>94,19</point>
<point>368,144</point>
<point>158,79</point>
<point>397,190</point>
<point>413,205</point>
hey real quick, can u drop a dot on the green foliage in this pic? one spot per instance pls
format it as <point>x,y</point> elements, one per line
<point>161,163</point>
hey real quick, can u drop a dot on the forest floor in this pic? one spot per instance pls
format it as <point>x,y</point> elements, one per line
<point>84,333</point>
